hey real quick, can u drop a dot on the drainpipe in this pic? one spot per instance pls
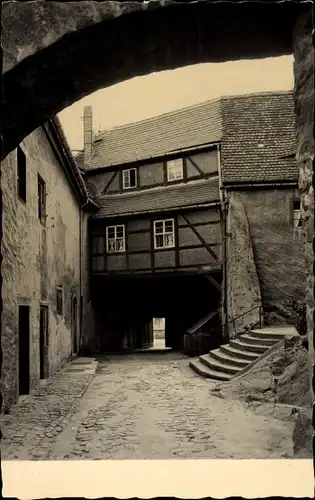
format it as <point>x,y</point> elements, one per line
<point>224,314</point>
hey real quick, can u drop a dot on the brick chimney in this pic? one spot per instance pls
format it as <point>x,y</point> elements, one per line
<point>88,136</point>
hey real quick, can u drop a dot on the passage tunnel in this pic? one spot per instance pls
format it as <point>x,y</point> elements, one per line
<point>125,307</point>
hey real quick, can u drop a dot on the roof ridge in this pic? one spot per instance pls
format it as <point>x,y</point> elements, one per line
<point>177,111</point>
<point>258,94</point>
<point>162,115</point>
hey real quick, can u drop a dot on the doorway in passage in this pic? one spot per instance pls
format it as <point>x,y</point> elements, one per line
<point>24,350</point>
<point>159,332</point>
<point>43,342</point>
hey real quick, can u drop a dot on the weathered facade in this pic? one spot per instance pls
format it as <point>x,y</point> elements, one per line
<point>197,194</point>
<point>43,192</point>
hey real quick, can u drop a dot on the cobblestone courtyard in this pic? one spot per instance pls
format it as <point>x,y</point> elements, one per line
<point>150,406</point>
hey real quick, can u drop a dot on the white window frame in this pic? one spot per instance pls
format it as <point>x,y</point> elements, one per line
<point>115,240</point>
<point>126,181</point>
<point>175,169</point>
<point>164,234</point>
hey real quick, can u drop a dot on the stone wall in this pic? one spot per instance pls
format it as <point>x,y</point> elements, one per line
<point>87,341</point>
<point>36,259</point>
<point>276,249</point>
<point>265,262</point>
<point>304,110</point>
<point>243,288</point>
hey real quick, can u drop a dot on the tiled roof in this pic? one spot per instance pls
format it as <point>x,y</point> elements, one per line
<point>256,132</point>
<point>195,192</point>
<point>199,124</point>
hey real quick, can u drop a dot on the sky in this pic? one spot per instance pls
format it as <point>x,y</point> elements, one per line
<point>157,93</point>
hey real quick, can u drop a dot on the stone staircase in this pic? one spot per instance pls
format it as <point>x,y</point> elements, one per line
<point>233,359</point>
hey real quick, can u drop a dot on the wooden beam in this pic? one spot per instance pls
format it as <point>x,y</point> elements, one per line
<point>194,164</point>
<point>176,236</point>
<point>214,282</point>
<point>203,241</point>
<point>109,182</point>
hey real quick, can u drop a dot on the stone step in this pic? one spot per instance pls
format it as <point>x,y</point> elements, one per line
<point>238,353</point>
<point>263,334</point>
<point>205,371</point>
<point>233,360</point>
<point>214,364</point>
<point>244,346</point>
<point>249,339</point>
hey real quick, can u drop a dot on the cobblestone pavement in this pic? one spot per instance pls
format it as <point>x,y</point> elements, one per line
<point>146,406</point>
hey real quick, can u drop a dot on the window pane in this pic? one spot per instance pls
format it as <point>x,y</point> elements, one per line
<point>179,174</point>
<point>159,241</point>
<point>158,227</point>
<point>120,231</point>
<point>111,245</point>
<point>169,240</point>
<point>120,245</point>
<point>296,217</point>
<point>179,163</point>
<point>169,225</point>
<point>133,178</point>
<point>175,169</point>
<point>111,232</point>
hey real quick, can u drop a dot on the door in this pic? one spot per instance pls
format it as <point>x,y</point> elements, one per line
<point>147,338</point>
<point>24,350</point>
<point>74,326</point>
<point>43,341</point>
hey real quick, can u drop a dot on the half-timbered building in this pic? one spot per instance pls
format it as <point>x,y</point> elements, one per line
<point>194,220</point>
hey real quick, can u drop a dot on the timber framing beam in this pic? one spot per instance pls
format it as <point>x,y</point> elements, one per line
<point>203,241</point>
<point>194,164</point>
<point>109,182</point>
<point>214,282</point>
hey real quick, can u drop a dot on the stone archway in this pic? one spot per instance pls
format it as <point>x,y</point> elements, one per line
<point>75,49</point>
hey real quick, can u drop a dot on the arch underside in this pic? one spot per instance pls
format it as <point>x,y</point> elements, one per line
<point>135,44</point>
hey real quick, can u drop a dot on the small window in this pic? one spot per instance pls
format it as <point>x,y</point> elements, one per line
<point>175,170</point>
<point>164,234</point>
<point>41,200</point>
<point>130,178</point>
<point>296,213</point>
<point>59,300</point>
<point>115,239</point>
<point>21,174</point>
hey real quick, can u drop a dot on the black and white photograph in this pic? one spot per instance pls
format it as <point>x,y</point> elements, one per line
<point>157,231</point>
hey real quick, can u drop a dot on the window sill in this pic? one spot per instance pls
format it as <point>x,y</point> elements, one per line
<point>161,249</point>
<point>116,253</point>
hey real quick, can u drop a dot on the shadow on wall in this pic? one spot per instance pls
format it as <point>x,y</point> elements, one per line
<point>243,287</point>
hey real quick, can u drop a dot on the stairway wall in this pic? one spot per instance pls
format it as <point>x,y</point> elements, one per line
<point>260,222</point>
<point>243,288</point>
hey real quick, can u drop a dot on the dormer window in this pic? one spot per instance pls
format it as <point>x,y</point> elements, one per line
<point>129,178</point>
<point>175,170</point>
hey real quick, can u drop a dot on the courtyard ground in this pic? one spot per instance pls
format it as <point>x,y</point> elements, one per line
<point>138,406</point>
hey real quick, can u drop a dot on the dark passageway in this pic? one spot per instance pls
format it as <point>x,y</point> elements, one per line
<point>124,309</point>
